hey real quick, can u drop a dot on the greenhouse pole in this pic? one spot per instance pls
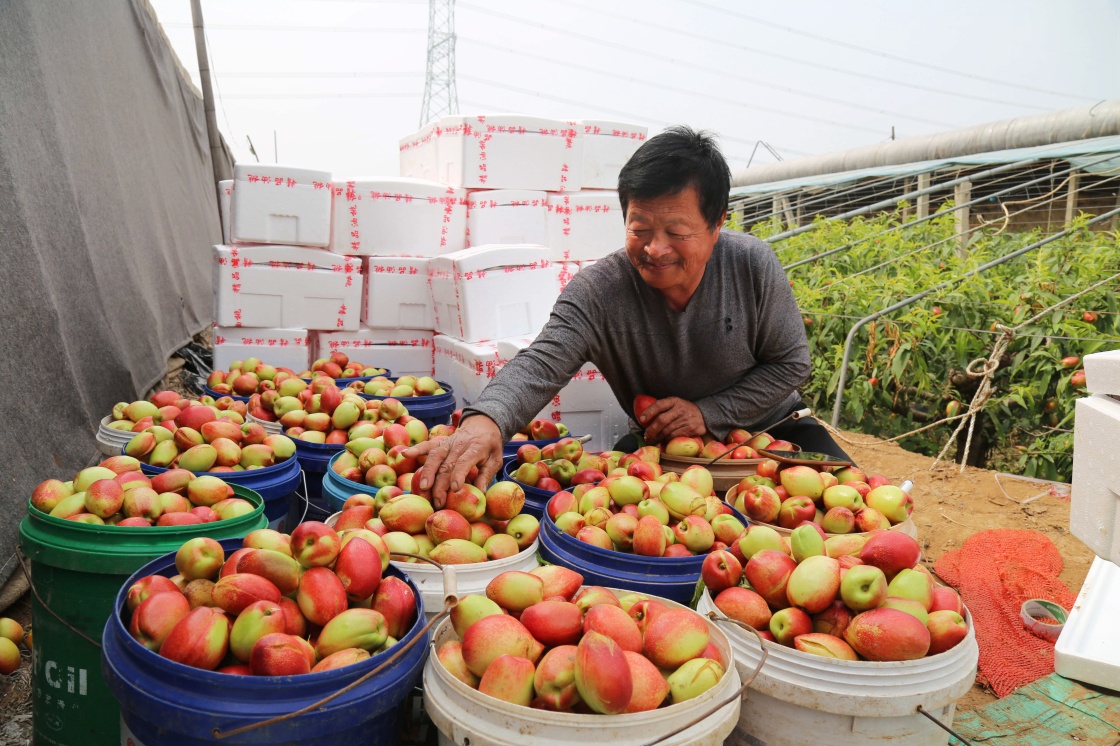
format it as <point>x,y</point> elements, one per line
<point>941,286</point>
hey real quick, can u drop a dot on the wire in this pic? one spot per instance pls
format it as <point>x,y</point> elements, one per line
<point>711,70</point>
<point>630,79</point>
<point>303,29</point>
<point>884,55</point>
<point>769,55</point>
<point>322,75</point>
<point>372,94</point>
<point>634,50</point>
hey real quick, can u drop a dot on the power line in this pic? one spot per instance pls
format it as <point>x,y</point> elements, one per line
<point>877,53</point>
<point>372,94</point>
<point>303,29</point>
<point>416,74</point>
<point>632,50</point>
<point>739,47</point>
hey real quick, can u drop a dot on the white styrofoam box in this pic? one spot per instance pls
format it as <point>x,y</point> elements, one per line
<point>507,216</point>
<point>467,366</point>
<point>1102,372</point>
<point>565,271</point>
<point>286,287</point>
<point>280,205</point>
<point>402,351</point>
<point>225,194</point>
<point>418,156</point>
<point>508,151</point>
<point>397,217</point>
<point>396,293</point>
<point>1094,511</point>
<point>492,291</point>
<point>283,348</point>
<point>607,146</point>
<point>1088,649</point>
<point>585,225</point>
<point>587,404</point>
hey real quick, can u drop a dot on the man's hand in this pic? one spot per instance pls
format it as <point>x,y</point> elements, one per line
<point>671,418</point>
<point>477,442</point>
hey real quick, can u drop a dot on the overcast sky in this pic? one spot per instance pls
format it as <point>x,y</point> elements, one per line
<point>341,81</point>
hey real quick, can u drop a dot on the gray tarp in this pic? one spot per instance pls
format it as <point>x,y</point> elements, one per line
<point>107,215</point>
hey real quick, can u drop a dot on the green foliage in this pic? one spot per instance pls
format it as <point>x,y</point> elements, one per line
<point>907,367</point>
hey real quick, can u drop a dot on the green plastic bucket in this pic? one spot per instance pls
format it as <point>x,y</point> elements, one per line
<point>77,569</point>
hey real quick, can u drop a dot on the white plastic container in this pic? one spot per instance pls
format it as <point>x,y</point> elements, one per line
<point>288,348</point>
<point>286,287</point>
<point>272,428</point>
<point>507,216</point>
<point>110,441</point>
<point>397,217</point>
<point>469,578</point>
<point>797,698</point>
<point>1094,511</point>
<point>1102,373</point>
<point>276,204</point>
<point>402,351</point>
<point>225,195</point>
<point>492,292</point>
<point>467,366</point>
<point>585,225</point>
<point>396,294</point>
<point>1088,649</point>
<point>418,154</point>
<point>466,717</point>
<point>607,145</point>
<point>508,151</point>
<point>587,404</point>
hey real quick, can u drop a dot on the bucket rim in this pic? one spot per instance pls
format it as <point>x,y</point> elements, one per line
<point>275,469</point>
<point>449,392</point>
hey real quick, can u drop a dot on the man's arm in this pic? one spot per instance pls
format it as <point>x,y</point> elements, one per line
<point>781,351</point>
<point>525,385</point>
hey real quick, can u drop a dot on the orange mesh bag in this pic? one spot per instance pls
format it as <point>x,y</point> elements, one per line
<point>995,572</point>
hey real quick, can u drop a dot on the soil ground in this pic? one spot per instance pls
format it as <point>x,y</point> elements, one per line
<point>949,507</point>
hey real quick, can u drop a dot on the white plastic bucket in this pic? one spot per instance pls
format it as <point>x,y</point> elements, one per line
<point>472,578</point>
<point>110,441</point>
<point>272,428</point>
<point>797,698</point>
<point>466,717</point>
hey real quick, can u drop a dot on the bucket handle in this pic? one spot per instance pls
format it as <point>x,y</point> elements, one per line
<point>450,601</point>
<point>740,692</point>
<point>35,592</point>
<point>942,726</point>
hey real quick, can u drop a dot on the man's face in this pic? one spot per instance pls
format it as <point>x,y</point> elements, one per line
<point>669,243</point>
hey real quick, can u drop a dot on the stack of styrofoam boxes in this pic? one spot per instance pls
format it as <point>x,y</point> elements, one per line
<point>1088,649</point>
<point>587,405</point>
<point>275,281</point>
<point>396,225</point>
<point>540,201</point>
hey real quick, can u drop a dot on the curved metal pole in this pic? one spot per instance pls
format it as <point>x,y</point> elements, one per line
<point>941,286</point>
<point>918,221</point>
<point>894,200</point>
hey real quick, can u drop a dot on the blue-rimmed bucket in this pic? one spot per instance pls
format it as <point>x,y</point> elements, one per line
<point>211,392</point>
<point>164,702</point>
<point>431,410</point>
<point>275,484</point>
<point>510,448</point>
<point>336,488</point>
<point>314,459</point>
<point>76,573</point>
<point>670,577</point>
<point>535,499</point>
<point>344,382</point>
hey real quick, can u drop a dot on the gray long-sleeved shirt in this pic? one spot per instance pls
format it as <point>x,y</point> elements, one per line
<point>738,350</point>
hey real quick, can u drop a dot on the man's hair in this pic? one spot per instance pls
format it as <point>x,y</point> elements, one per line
<point>670,162</point>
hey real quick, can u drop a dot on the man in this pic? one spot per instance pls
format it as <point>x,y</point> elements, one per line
<point>699,317</point>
